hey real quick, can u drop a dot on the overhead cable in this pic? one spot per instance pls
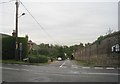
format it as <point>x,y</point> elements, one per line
<point>6,2</point>
<point>38,22</point>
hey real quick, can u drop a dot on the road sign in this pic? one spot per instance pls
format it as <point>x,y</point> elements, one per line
<point>21,47</point>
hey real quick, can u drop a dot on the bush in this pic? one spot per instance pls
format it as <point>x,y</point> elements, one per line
<point>38,59</point>
<point>8,47</point>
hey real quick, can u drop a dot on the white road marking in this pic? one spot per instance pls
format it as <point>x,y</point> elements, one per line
<point>86,67</point>
<point>98,67</point>
<point>25,69</point>
<point>10,68</point>
<point>24,65</point>
<point>16,64</point>
<point>14,69</point>
<point>102,73</point>
<point>74,72</point>
<point>110,68</point>
<point>62,64</point>
<point>63,67</point>
<point>74,66</point>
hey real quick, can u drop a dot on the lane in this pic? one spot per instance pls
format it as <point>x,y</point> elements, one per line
<point>61,64</point>
<point>66,67</point>
<point>26,76</point>
<point>56,72</point>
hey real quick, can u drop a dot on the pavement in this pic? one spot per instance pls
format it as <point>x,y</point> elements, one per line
<point>58,71</point>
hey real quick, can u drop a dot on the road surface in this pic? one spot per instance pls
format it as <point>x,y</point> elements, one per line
<point>58,71</point>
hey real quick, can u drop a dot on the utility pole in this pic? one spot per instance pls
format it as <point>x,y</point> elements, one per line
<point>16,26</point>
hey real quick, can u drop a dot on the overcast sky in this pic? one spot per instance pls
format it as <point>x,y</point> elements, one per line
<point>66,22</point>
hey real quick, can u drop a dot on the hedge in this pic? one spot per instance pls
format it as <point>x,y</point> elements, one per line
<point>8,47</point>
<point>38,59</point>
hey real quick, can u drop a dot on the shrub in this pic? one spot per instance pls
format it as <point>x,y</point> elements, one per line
<point>38,59</point>
<point>8,47</point>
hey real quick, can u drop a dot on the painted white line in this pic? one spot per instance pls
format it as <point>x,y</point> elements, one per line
<point>16,64</point>
<point>63,67</point>
<point>110,68</point>
<point>9,64</point>
<point>25,69</point>
<point>14,69</point>
<point>98,67</point>
<point>24,65</point>
<point>102,73</point>
<point>10,68</point>
<point>62,64</point>
<point>74,72</point>
<point>74,66</point>
<point>86,67</point>
<point>7,68</point>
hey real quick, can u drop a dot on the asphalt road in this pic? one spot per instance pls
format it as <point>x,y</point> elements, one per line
<point>58,71</point>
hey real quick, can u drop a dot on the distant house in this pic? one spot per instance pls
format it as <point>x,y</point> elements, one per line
<point>32,47</point>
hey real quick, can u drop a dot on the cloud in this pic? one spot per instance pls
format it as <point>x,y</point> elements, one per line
<point>66,22</point>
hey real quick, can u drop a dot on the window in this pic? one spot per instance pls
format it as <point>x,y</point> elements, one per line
<point>113,48</point>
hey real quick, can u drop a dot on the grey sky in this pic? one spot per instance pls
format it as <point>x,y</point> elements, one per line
<point>67,22</point>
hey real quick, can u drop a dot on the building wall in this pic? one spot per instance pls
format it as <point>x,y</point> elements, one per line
<point>100,51</point>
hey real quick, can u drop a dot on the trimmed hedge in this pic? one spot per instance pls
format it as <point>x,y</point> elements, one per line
<point>8,47</point>
<point>38,59</point>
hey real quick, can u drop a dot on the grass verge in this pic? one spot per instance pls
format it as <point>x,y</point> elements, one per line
<point>84,63</point>
<point>20,62</point>
<point>93,64</point>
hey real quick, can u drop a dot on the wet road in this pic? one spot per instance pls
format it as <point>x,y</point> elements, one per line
<point>58,71</point>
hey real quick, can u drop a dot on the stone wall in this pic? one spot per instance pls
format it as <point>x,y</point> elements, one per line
<point>104,51</point>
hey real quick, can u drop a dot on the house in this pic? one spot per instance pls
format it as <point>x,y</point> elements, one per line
<point>32,47</point>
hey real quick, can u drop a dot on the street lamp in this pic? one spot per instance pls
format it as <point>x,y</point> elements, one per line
<point>21,15</point>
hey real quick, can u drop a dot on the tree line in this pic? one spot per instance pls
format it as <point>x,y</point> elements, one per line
<point>55,51</point>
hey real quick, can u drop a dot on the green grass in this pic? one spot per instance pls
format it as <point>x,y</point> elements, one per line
<point>92,64</point>
<point>84,63</point>
<point>20,62</point>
